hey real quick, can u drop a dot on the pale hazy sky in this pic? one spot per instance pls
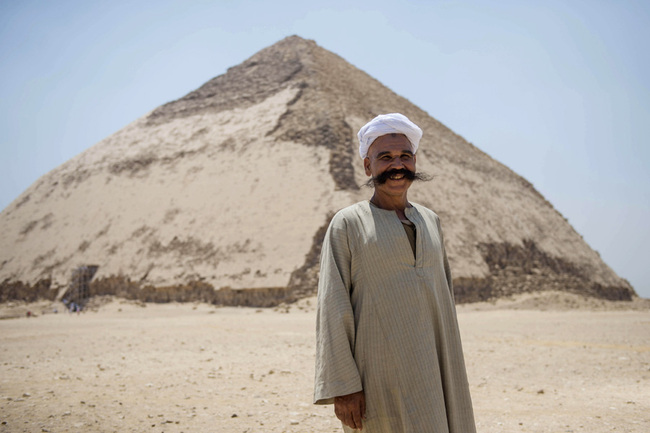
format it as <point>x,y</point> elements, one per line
<point>557,91</point>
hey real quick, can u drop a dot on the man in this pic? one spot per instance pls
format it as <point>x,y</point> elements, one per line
<point>388,352</point>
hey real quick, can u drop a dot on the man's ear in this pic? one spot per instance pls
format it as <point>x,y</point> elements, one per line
<point>366,166</point>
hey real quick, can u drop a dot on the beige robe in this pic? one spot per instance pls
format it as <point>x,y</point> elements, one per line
<point>387,323</point>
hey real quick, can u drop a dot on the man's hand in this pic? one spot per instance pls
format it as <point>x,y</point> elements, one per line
<point>351,409</point>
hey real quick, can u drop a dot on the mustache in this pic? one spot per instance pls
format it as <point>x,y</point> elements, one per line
<point>381,178</point>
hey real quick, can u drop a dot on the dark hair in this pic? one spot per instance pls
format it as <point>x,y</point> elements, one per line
<point>381,178</point>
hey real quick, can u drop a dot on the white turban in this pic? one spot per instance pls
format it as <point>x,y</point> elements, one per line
<point>393,123</point>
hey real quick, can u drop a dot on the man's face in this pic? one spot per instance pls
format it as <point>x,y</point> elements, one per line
<point>390,152</point>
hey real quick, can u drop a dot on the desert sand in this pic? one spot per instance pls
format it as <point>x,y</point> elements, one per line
<point>551,364</point>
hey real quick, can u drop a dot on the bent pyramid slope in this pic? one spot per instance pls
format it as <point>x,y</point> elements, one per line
<point>233,185</point>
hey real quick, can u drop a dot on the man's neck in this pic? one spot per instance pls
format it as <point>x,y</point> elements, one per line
<point>398,204</point>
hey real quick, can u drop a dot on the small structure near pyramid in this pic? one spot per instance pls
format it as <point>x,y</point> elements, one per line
<point>78,291</point>
<point>232,187</point>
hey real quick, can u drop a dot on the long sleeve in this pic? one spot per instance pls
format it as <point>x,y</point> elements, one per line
<point>336,370</point>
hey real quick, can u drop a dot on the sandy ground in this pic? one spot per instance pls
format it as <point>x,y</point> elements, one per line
<point>129,367</point>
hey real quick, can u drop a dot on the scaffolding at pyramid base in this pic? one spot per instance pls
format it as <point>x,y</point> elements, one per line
<point>78,293</point>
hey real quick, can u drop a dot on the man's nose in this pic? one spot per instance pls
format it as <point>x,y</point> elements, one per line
<point>397,163</point>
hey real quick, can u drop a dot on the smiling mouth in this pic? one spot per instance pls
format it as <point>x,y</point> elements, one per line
<point>394,175</point>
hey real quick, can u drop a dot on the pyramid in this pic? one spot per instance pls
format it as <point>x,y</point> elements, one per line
<point>234,184</point>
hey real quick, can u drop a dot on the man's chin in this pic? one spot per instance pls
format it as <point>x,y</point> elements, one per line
<point>395,185</point>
